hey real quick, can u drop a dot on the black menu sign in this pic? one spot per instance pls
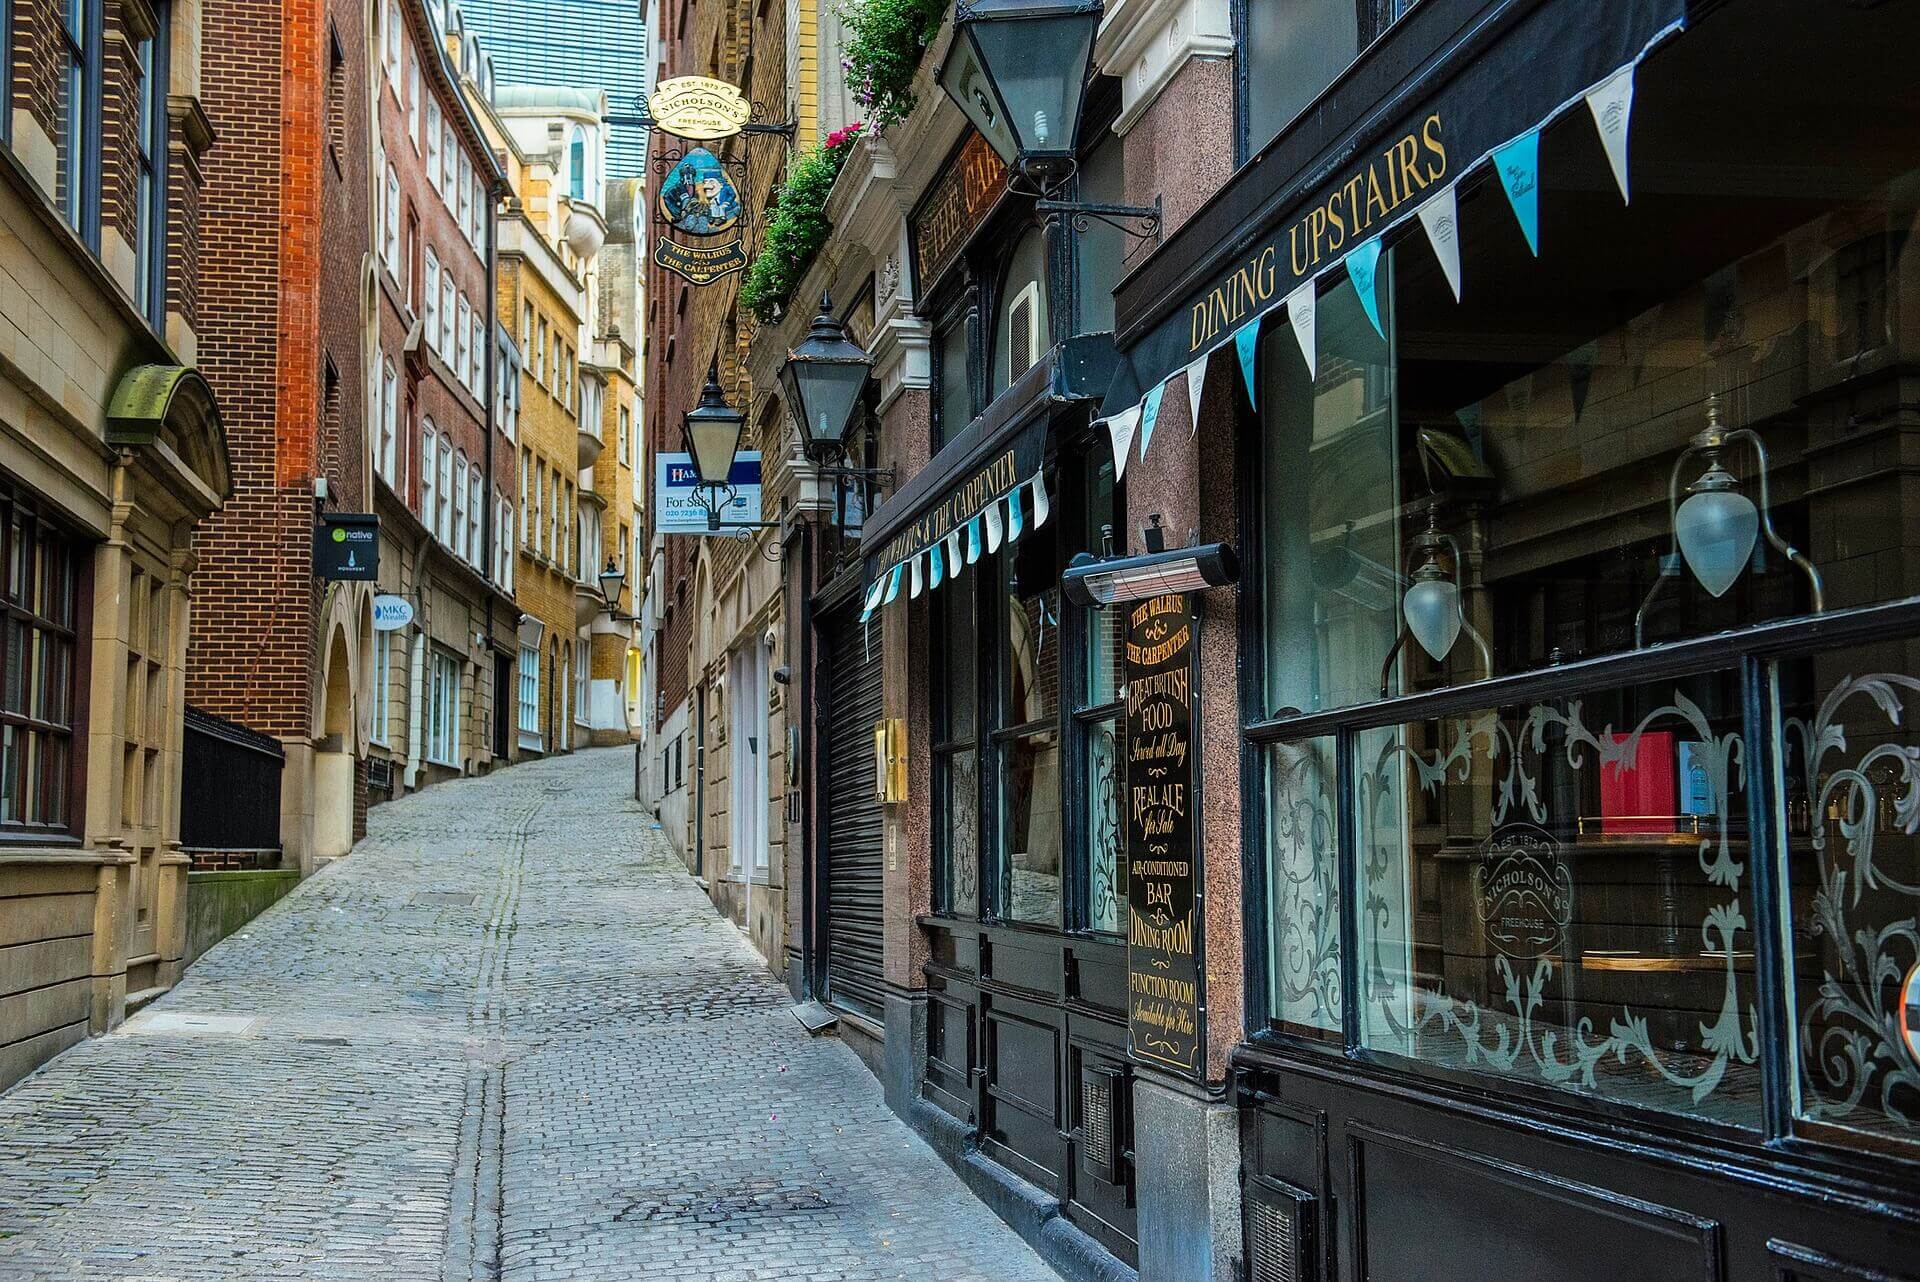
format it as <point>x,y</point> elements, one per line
<point>1164,1002</point>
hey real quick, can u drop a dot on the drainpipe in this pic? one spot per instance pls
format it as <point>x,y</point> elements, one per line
<point>489,533</point>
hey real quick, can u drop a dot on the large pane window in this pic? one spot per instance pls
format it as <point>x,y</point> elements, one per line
<point>38,654</point>
<point>953,407</point>
<point>1294,49</point>
<point>956,753</point>
<point>149,231</point>
<point>1101,248</point>
<point>1303,888</point>
<point>1561,892</point>
<point>76,141</point>
<point>1031,802</point>
<point>1097,716</point>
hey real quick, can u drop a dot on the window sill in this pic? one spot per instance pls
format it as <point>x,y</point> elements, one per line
<point>25,855</point>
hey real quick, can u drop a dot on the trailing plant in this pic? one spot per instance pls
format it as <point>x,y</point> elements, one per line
<point>885,42</point>
<point>796,225</point>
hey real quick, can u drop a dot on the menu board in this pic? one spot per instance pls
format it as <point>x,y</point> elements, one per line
<point>1164,1001</point>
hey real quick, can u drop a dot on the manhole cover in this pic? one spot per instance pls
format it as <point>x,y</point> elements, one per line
<point>444,898</point>
<point>188,1023</point>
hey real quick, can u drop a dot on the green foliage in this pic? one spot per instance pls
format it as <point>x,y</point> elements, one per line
<point>885,41</point>
<point>796,226</point>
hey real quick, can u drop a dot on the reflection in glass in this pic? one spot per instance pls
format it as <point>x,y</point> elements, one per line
<point>1852,771</point>
<point>1303,932</point>
<point>1559,893</point>
<point>1107,880</point>
<point>1030,827</point>
<point>961,780</point>
<point>1295,48</point>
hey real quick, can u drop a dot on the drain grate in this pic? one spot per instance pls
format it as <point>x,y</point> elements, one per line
<point>444,898</point>
<point>717,1205</point>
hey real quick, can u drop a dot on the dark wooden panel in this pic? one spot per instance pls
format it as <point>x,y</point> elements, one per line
<point>1481,1218</point>
<point>1014,960</point>
<point>1796,1263</point>
<point>1022,1063</point>
<point>1098,976</point>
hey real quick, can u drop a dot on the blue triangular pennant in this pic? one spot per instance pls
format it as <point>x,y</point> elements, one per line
<point>1518,164</point>
<point>893,584</point>
<point>933,567</point>
<point>973,540</point>
<point>1246,342</point>
<point>1363,269</point>
<point>1149,415</point>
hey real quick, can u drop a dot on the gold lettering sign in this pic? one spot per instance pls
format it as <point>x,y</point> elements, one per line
<point>960,504</point>
<point>698,108</point>
<point>700,264</point>
<point>1403,172</point>
<point>954,206</point>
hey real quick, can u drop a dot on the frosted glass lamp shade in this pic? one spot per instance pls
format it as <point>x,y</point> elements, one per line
<point>1716,527</point>
<point>1433,615</point>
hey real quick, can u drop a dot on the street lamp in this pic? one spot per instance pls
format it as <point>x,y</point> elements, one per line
<point>1019,70</point>
<point>822,380</point>
<point>612,580</point>
<point>713,429</point>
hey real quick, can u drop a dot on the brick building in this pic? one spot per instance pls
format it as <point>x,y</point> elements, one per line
<point>283,240</point>
<point>443,456</point>
<point>111,453</point>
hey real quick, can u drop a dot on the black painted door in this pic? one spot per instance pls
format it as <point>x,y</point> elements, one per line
<point>854,853</point>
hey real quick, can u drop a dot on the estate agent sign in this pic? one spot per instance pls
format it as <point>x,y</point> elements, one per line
<point>1164,1002</point>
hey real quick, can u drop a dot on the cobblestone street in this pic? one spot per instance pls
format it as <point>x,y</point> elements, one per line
<point>508,1037</point>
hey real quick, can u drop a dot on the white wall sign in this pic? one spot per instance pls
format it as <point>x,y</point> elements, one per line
<point>391,613</point>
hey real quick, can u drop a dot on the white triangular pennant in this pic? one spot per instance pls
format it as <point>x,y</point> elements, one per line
<point>1196,384</point>
<point>1120,430</point>
<point>1040,505</point>
<point>1300,305</point>
<point>993,526</point>
<point>954,558</point>
<point>915,590</point>
<point>873,598</point>
<point>1440,215</point>
<point>1611,102</point>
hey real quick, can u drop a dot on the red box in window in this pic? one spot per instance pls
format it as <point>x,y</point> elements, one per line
<point>1640,794</point>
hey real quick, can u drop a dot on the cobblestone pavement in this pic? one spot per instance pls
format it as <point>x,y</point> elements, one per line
<point>507,1038</point>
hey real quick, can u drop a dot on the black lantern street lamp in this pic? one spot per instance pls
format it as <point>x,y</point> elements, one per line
<point>713,430</point>
<point>612,579</point>
<point>822,381</point>
<point>1019,70</point>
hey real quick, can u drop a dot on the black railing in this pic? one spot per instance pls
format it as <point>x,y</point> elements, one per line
<point>229,786</point>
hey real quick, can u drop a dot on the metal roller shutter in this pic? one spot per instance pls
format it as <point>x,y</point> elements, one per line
<point>855,842</point>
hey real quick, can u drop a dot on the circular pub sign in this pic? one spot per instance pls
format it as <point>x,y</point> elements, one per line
<point>698,107</point>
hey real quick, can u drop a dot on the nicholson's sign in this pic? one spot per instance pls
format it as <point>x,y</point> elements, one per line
<point>1165,1004</point>
<point>699,108</point>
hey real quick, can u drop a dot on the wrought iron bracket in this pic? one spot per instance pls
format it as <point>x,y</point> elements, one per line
<point>1142,222</point>
<point>886,476</point>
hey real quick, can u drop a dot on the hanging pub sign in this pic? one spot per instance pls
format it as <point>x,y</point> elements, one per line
<point>346,546</point>
<point>697,197</point>
<point>1164,1003</point>
<point>699,108</point>
<point>700,264</point>
<point>957,202</point>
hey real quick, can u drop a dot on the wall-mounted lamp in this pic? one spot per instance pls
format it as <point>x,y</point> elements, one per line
<point>1716,528</point>
<point>1435,616</point>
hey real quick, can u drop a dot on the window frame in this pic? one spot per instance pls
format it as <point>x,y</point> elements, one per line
<point>16,509</point>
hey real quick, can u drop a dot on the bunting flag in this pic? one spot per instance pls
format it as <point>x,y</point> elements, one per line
<point>1196,385</point>
<point>934,576</point>
<point>1440,215</point>
<point>1518,164</point>
<point>954,561</point>
<point>873,598</point>
<point>915,590</point>
<point>1300,305</point>
<point>993,527</point>
<point>893,585</point>
<point>1611,102</point>
<point>1246,343</point>
<point>1363,269</point>
<point>1149,415</point>
<point>1016,519</point>
<point>1040,505</point>
<point>973,540</point>
<point>1120,430</point>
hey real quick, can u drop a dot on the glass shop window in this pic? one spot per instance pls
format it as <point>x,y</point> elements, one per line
<point>1684,417</point>
<point>1294,49</point>
<point>953,405</point>
<point>1021,330</point>
<point>39,699</point>
<point>1098,721</point>
<point>1028,736</point>
<point>956,753</point>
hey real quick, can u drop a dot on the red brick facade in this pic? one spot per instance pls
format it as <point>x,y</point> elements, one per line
<point>282,241</point>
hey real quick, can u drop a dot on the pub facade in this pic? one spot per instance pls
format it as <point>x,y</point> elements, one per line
<point>1390,691</point>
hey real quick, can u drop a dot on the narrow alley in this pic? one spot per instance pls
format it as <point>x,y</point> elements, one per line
<point>507,1037</point>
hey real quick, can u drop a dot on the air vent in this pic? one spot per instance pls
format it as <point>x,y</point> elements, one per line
<point>1279,1233</point>
<point>1101,1103</point>
<point>1023,333</point>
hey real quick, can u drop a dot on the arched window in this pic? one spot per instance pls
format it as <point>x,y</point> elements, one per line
<point>577,165</point>
<point>1020,324</point>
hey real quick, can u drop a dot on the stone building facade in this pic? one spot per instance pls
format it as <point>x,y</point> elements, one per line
<point>112,455</point>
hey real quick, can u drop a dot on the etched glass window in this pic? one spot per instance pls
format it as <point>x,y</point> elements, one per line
<point>1303,895</point>
<point>956,753</point>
